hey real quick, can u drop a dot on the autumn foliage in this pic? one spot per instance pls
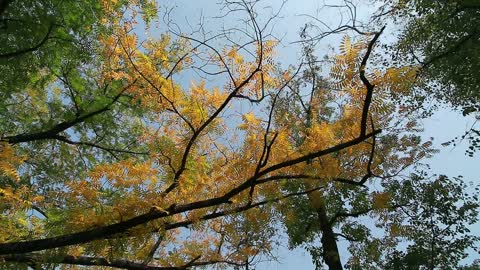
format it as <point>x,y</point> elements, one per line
<point>162,168</point>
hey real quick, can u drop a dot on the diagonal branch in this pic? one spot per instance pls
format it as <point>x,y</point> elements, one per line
<point>153,250</point>
<point>112,151</point>
<point>31,49</point>
<point>52,133</point>
<point>120,263</point>
<point>85,261</point>
<point>449,51</point>
<point>239,209</point>
<point>320,153</point>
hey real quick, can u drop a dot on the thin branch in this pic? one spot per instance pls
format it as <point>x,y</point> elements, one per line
<point>350,214</point>
<point>196,134</point>
<point>451,50</point>
<point>153,250</point>
<point>346,237</point>
<point>359,213</point>
<point>94,145</point>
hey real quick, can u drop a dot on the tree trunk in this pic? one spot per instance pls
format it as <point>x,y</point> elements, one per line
<point>330,254</point>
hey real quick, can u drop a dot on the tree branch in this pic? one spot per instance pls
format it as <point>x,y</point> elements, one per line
<point>85,261</point>
<point>52,133</point>
<point>99,261</point>
<point>31,49</point>
<point>94,145</point>
<point>366,82</point>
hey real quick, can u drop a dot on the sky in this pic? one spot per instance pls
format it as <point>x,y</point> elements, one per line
<point>444,125</point>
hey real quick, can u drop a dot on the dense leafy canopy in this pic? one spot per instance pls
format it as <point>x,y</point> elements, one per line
<point>436,223</point>
<point>443,37</point>
<point>109,159</point>
<point>55,105</point>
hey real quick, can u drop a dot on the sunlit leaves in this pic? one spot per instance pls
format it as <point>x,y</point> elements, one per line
<point>9,161</point>
<point>387,156</point>
<point>16,199</point>
<point>195,168</point>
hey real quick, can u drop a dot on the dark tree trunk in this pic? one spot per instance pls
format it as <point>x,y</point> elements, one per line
<point>330,254</point>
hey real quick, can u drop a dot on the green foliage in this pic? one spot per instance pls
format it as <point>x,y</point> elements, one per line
<point>118,161</point>
<point>444,36</point>
<point>52,93</point>
<point>430,229</point>
<point>440,212</point>
<point>40,37</point>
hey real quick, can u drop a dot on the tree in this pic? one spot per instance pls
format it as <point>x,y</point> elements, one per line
<point>435,215</point>
<point>442,38</point>
<point>54,107</point>
<point>203,179</point>
<point>334,212</point>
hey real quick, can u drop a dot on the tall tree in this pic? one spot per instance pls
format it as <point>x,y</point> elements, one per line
<point>332,213</point>
<point>211,162</point>
<point>436,213</point>
<point>442,38</point>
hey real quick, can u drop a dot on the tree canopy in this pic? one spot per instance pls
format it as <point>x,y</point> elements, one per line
<point>109,158</point>
<point>442,36</point>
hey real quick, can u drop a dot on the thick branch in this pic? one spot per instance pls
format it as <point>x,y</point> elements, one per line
<point>368,85</point>
<point>84,260</point>
<point>121,227</point>
<point>119,263</point>
<point>99,261</point>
